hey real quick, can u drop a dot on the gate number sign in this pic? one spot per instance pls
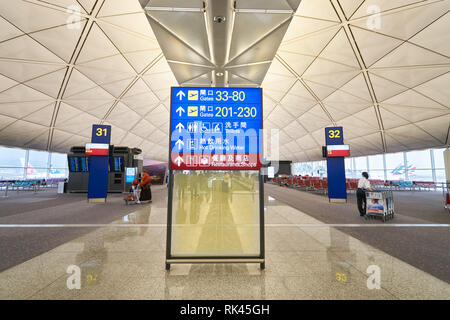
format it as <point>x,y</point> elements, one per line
<point>215,128</point>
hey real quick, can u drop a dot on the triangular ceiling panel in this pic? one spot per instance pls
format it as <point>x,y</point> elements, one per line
<point>397,100</point>
<point>372,45</point>
<point>51,39</point>
<point>319,9</point>
<point>26,48</point>
<point>257,27</point>
<point>436,36</point>
<point>263,50</point>
<point>175,49</point>
<point>410,55</point>
<point>47,83</point>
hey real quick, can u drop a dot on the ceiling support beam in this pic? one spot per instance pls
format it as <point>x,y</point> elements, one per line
<point>71,65</point>
<point>311,92</point>
<point>364,70</point>
<point>133,82</point>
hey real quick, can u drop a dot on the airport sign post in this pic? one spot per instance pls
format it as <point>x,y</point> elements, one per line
<point>336,150</point>
<point>98,152</point>
<point>215,129</point>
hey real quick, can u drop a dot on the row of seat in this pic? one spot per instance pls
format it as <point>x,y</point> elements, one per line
<point>29,184</point>
<point>306,183</point>
<point>321,184</point>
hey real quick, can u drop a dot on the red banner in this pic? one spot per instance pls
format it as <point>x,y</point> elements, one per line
<point>202,161</point>
<point>338,153</point>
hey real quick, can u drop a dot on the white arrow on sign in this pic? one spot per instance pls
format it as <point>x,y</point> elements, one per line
<point>179,127</point>
<point>180,110</point>
<point>180,94</point>
<point>179,160</point>
<point>178,143</point>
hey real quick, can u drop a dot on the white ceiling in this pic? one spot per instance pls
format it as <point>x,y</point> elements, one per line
<point>388,87</point>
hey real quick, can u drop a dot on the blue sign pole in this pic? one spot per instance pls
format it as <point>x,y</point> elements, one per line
<point>337,189</point>
<point>98,165</point>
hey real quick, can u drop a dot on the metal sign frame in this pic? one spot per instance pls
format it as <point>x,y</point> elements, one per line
<point>214,259</point>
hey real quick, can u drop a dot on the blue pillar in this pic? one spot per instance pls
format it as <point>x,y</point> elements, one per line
<point>98,165</point>
<point>337,189</point>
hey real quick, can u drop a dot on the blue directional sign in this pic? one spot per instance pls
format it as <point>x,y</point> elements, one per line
<point>215,128</point>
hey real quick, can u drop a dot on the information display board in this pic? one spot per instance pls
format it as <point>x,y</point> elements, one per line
<point>97,149</point>
<point>338,150</point>
<point>215,128</point>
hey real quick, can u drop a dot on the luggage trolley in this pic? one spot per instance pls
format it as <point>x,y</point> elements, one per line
<point>380,203</point>
<point>133,196</point>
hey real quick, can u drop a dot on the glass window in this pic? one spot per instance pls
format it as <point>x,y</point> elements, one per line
<point>12,157</point>
<point>215,214</point>
<point>440,175</point>
<point>38,159</point>
<point>57,173</point>
<point>361,164</point>
<point>420,175</point>
<point>33,173</point>
<point>348,167</point>
<point>394,160</point>
<point>11,173</point>
<point>395,175</point>
<point>376,162</point>
<point>418,159</point>
<point>439,158</point>
<point>319,168</point>
<point>58,160</point>
<point>418,166</point>
<point>376,174</point>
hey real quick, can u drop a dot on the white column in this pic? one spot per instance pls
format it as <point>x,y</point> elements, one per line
<point>405,163</point>
<point>447,164</point>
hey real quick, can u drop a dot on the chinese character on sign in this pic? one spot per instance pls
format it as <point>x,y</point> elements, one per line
<point>227,124</point>
<point>243,125</point>
<point>203,92</point>
<point>202,108</point>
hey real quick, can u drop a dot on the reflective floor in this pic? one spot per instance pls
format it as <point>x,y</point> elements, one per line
<point>125,260</point>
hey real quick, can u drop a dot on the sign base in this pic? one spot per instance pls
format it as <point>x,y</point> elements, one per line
<point>97,200</point>
<point>262,262</point>
<point>335,200</point>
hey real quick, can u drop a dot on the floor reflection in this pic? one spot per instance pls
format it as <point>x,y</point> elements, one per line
<point>125,260</point>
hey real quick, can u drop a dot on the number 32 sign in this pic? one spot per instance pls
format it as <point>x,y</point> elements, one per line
<point>334,135</point>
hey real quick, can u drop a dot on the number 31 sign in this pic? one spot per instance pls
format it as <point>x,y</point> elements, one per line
<point>101,134</point>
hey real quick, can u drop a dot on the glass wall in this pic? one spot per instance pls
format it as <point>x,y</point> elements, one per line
<point>421,165</point>
<point>215,213</point>
<point>21,164</point>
